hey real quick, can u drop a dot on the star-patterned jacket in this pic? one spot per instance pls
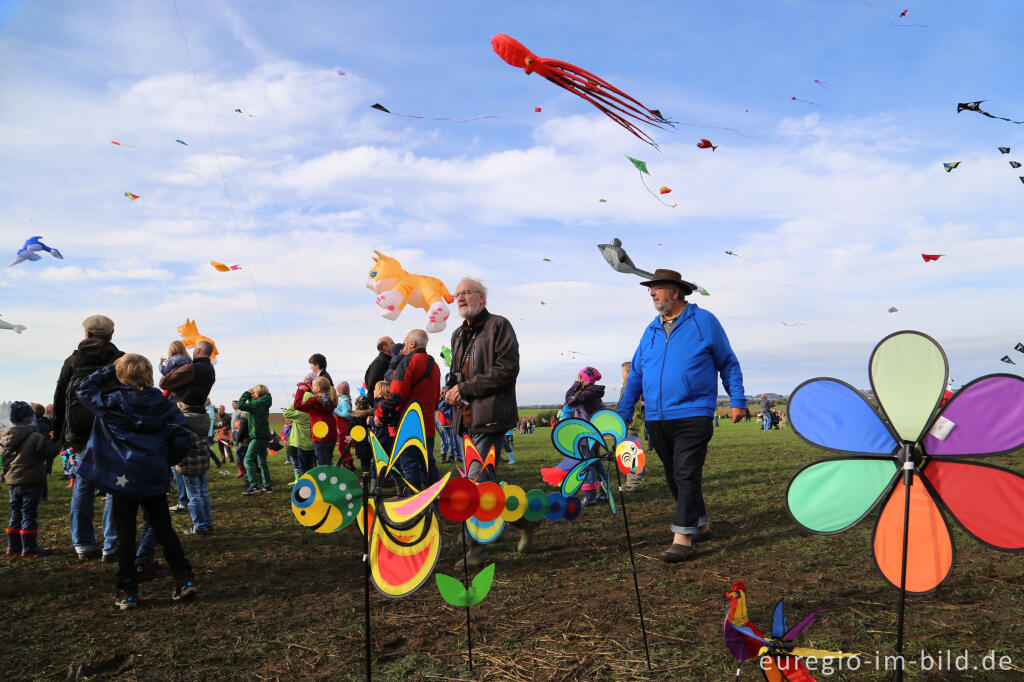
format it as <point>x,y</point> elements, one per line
<point>137,435</point>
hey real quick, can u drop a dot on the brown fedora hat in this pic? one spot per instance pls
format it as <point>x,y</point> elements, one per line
<point>665,276</point>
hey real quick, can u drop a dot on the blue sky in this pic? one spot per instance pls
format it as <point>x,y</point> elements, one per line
<point>832,204</point>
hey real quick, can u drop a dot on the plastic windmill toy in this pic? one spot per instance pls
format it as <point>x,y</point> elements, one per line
<point>913,459</point>
<point>780,658</point>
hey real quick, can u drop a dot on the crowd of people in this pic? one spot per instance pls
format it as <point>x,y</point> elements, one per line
<point>129,438</point>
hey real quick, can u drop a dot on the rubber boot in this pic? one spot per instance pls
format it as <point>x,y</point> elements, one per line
<point>474,559</point>
<point>13,542</point>
<point>71,483</point>
<point>29,548</point>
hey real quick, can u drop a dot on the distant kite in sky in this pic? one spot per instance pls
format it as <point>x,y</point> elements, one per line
<point>546,260</point>
<point>664,190</point>
<point>731,253</point>
<point>821,83</point>
<point>1004,150</point>
<point>950,166</point>
<point>805,101</point>
<point>795,324</point>
<point>1021,177</point>
<point>1015,164</point>
<point>976,108</point>
<point>894,310</point>
<point>1007,359</point>
<point>904,13</point>
<point>131,196</point>
<point>614,103</point>
<point>221,267</point>
<point>642,167</point>
<point>122,145</point>
<point>239,111</point>
<point>706,144</point>
<point>602,201</point>
<point>381,107</point>
<point>30,251</point>
<point>536,110</point>
<point>1019,347</point>
<point>931,256</point>
<point>182,142</point>
<point>16,328</point>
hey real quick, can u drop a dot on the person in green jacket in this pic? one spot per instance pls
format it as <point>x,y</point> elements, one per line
<point>256,401</point>
<point>300,440</point>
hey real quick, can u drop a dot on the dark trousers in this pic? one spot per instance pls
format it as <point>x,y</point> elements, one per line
<point>125,511</point>
<point>682,445</point>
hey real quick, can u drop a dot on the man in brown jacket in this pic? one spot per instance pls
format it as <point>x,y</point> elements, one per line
<point>482,390</point>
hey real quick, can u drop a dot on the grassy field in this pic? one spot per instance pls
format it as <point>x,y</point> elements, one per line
<point>279,602</point>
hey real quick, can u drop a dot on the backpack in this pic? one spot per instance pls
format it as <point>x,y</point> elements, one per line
<point>77,417</point>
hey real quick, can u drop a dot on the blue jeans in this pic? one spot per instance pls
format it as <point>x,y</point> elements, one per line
<point>411,466</point>
<point>83,535</point>
<point>302,460</point>
<point>147,543</point>
<point>179,483</point>
<point>324,451</point>
<point>25,506</point>
<point>199,501</point>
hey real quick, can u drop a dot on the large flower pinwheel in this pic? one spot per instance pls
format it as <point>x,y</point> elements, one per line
<point>913,458</point>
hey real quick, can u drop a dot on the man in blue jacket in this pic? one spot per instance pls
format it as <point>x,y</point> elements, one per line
<point>676,368</point>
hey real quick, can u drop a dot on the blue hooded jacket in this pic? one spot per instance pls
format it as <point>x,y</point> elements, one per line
<point>678,375</point>
<point>136,436</point>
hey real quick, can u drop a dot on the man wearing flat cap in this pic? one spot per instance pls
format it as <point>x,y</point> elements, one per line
<point>676,368</point>
<point>72,425</point>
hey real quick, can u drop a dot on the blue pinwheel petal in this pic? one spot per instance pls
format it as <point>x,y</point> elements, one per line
<point>833,415</point>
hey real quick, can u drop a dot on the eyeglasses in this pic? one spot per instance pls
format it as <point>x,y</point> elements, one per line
<point>467,292</point>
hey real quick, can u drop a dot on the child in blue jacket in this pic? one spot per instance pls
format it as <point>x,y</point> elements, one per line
<point>136,436</point>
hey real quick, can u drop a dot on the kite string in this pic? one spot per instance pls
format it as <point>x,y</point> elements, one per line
<point>660,200</point>
<point>227,195</point>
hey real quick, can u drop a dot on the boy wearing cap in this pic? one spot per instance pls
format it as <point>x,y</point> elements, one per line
<point>24,452</point>
<point>676,368</point>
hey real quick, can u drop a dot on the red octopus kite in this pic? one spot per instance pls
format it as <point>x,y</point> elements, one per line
<point>615,103</point>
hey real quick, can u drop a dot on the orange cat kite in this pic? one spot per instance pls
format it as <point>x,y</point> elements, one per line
<point>396,288</point>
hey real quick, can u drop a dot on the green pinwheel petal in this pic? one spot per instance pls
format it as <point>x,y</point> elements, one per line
<point>481,585</point>
<point>830,496</point>
<point>908,375</point>
<point>453,592</point>
<point>609,423</point>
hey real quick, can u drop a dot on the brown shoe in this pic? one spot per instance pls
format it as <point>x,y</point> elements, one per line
<point>677,552</point>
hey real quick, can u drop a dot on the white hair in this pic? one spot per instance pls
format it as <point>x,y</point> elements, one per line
<point>419,337</point>
<point>479,284</point>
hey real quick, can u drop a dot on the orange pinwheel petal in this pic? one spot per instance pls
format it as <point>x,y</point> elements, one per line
<point>929,545</point>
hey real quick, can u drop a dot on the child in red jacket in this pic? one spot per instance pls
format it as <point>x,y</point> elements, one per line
<point>320,408</point>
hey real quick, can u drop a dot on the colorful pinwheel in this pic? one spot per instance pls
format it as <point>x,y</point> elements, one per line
<point>327,498</point>
<point>780,658</point>
<point>404,533</point>
<point>910,440</point>
<point>582,442</point>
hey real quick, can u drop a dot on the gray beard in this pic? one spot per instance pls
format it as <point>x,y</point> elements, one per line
<point>468,312</point>
<point>663,308</point>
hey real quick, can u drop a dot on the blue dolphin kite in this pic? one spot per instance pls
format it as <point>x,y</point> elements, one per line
<point>31,249</point>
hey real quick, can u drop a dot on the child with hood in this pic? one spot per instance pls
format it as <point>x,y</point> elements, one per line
<point>584,398</point>
<point>24,453</point>
<point>136,436</point>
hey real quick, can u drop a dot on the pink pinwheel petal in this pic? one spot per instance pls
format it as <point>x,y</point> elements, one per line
<point>988,501</point>
<point>985,417</point>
